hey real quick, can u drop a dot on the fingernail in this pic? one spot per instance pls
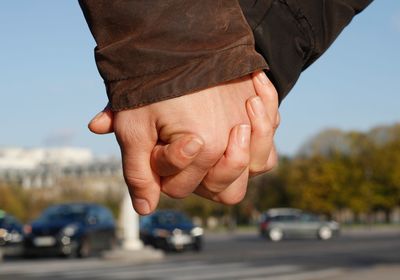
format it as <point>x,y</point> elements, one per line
<point>98,116</point>
<point>257,106</point>
<point>141,206</point>
<point>192,147</point>
<point>263,78</point>
<point>243,135</point>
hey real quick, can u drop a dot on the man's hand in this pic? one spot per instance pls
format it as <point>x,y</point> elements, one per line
<point>187,140</point>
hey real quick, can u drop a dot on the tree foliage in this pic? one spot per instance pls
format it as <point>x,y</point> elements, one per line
<point>353,170</point>
<point>335,170</point>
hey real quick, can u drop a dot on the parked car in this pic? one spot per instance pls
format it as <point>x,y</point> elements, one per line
<point>279,223</point>
<point>170,230</point>
<point>75,229</point>
<point>11,234</point>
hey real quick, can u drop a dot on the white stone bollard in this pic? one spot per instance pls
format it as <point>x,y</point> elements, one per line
<point>129,223</point>
<point>132,247</point>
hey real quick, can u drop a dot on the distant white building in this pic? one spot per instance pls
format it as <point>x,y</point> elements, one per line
<point>29,159</point>
<point>40,167</point>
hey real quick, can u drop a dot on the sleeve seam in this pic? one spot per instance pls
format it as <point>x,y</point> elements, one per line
<point>303,23</point>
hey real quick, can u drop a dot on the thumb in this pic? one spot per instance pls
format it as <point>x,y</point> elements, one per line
<point>170,159</point>
<point>102,123</point>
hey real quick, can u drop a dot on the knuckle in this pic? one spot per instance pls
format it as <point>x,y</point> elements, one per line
<point>124,133</point>
<point>233,199</point>
<point>278,120</point>
<point>175,193</point>
<point>133,131</point>
<point>213,151</point>
<point>265,166</point>
<point>173,160</point>
<point>273,93</point>
<point>257,168</point>
<point>264,129</point>
<point>213,187</point>
<point>272,162</point>
<point>135,181</point>
<point>237,165</point>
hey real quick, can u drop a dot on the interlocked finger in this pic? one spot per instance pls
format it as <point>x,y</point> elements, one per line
<point>233,163</point>
<point>264,117</point>
<point>170,159</point>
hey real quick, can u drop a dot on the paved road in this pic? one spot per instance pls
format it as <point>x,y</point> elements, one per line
<point>239,256</point>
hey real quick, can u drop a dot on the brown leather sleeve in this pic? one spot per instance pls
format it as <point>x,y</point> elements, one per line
<point>148,51</point>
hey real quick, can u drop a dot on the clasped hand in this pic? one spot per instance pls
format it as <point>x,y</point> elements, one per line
<point>209,142</point>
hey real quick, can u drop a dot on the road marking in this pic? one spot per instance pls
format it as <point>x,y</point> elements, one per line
<point>53,267</point>
<point>172,271</point>
<point>240,273</point>
<point>190,270</point>
<point>314,275</point>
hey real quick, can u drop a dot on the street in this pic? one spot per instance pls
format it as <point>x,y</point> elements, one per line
<point>355,255</point>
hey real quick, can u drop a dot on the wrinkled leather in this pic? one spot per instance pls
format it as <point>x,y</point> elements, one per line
<point>152,50</point>
<point>148,51</point>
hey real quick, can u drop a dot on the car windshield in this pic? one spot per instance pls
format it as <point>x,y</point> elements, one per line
<point>310,218</point>
<point>74,212</point>
<point>171,219</point>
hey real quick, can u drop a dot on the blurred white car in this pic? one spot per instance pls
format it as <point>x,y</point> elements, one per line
<point>279,223</point>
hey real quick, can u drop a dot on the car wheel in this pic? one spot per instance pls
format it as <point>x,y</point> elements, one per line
<point>84,249</point>
<point>325,233</point>
<point>112,243</point>
<point>198,245</point>
<point>275,234</point>
<point>71,251</point>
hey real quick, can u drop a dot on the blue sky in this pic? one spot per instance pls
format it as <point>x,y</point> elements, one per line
<point>50,86</point>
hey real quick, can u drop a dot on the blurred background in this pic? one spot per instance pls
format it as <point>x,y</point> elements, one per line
<point>339,146</point>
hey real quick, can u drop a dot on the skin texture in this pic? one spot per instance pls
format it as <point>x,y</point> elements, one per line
<point>201,142</point>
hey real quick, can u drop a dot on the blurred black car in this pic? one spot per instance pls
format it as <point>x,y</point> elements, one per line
<point>170,230</point>
<point>279,223</point>
<point>76,230</point>
<point>11,234</point>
